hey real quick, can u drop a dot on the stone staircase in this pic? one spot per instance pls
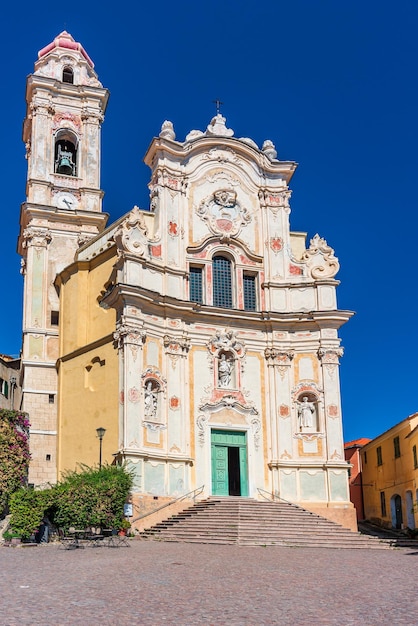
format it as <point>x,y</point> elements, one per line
<point>244,521</point>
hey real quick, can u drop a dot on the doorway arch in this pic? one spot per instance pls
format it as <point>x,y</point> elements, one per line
<point>396,511</point>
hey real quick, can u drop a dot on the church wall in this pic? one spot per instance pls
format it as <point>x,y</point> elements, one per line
<point>83,321</point>
<point>88,399</point>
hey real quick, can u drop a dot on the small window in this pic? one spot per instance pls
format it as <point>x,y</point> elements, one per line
<point>55,317</point>
<point>67,75</point>
<point>249,284</point>
<point>397,447</point>
<point>51,398</point>
<point>196,284</point>
<point>48,457</point>
<point>383,504</point>
<point>4,388</point>
<point>365,457</point>
<point>379,455</point>
<point>414,452</point>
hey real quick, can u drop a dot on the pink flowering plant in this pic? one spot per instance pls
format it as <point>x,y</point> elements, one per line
<point>14,453</point>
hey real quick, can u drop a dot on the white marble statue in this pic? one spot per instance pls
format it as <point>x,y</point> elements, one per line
<point>306,413</point>
<point>150,402</point>
<point>224,372</point>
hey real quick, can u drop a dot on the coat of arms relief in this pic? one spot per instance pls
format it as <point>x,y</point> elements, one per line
<point>223,214</point>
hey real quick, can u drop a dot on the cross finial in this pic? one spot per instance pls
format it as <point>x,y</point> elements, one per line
<point>218,106</point>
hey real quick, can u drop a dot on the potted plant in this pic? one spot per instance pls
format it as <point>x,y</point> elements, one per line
<point>124,526</point>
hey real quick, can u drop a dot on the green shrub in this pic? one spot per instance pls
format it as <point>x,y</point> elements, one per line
<point>90,497</point>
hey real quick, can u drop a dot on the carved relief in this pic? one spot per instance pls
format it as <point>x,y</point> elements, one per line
<point>222,155</point>
<point>223,213</point>
<point>226,340</point>
<point>320,259</point>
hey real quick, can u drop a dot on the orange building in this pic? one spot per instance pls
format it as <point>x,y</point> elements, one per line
<point>352,456</point>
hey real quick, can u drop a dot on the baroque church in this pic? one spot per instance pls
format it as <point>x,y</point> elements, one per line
<point>200,333</point>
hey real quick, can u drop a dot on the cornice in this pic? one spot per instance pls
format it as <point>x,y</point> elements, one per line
<point>154,303</point>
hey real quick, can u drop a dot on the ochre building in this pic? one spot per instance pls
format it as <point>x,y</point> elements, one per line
<point>390,476</point>
<point>200,333</point>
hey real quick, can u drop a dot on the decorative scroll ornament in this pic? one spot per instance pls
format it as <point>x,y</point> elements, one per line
<point>230,402</point>
<point>223,214</point>
<point>131,235</point>
<point>320,259</point>
<point>306,388</point>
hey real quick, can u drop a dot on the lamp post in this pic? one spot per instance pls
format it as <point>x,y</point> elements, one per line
<point>100,433</point>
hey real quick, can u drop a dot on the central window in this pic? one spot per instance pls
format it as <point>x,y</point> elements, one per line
<point>222,282</point>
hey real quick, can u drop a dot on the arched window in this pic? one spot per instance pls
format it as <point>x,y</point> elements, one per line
<point>222,282</point>
<point>65,153</point>
<point>67,75</point>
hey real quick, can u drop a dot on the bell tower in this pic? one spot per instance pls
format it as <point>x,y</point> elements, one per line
<point>63,210</point>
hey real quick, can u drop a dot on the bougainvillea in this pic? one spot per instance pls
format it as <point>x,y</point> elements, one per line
<point>14,453</point>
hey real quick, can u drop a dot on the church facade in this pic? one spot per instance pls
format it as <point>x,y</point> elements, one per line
<point>201,333</point>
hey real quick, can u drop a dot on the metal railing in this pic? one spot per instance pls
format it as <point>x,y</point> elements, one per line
<point>191,495</point>
<point>274,497</point>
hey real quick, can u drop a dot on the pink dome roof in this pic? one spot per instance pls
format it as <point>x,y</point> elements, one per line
<point>65,40</point>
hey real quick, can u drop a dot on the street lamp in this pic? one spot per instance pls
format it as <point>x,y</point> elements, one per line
<point>100,433</point>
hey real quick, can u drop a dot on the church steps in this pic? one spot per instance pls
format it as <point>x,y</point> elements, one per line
<point>244,521</point>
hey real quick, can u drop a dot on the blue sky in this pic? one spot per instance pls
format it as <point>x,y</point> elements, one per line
<point>332,83</point>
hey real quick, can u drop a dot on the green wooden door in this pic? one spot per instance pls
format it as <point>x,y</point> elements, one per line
<point>220,470</point>
<point>226,470</point>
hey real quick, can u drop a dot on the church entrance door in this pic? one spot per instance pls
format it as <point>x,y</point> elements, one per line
<point>229,463</point>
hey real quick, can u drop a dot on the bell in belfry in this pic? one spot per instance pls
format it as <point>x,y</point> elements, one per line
<point>64,161</point>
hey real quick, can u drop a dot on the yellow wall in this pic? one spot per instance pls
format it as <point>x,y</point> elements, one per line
<point>395,476</point>
<point>87,368</point>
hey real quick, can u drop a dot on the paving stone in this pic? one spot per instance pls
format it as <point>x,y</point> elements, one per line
<point>151,584</point>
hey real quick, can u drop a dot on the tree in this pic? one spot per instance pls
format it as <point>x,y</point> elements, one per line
<point>14,453</point>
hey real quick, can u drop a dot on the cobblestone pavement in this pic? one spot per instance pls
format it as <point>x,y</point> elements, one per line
<point>152,584</point>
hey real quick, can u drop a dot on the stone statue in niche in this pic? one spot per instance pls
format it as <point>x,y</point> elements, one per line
<point>150,401</point>
<point>225,366</point>
<point>306,414</point>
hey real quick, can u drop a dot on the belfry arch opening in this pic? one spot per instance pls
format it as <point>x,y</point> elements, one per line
<point>68,75</point>
<point>65,153</point>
